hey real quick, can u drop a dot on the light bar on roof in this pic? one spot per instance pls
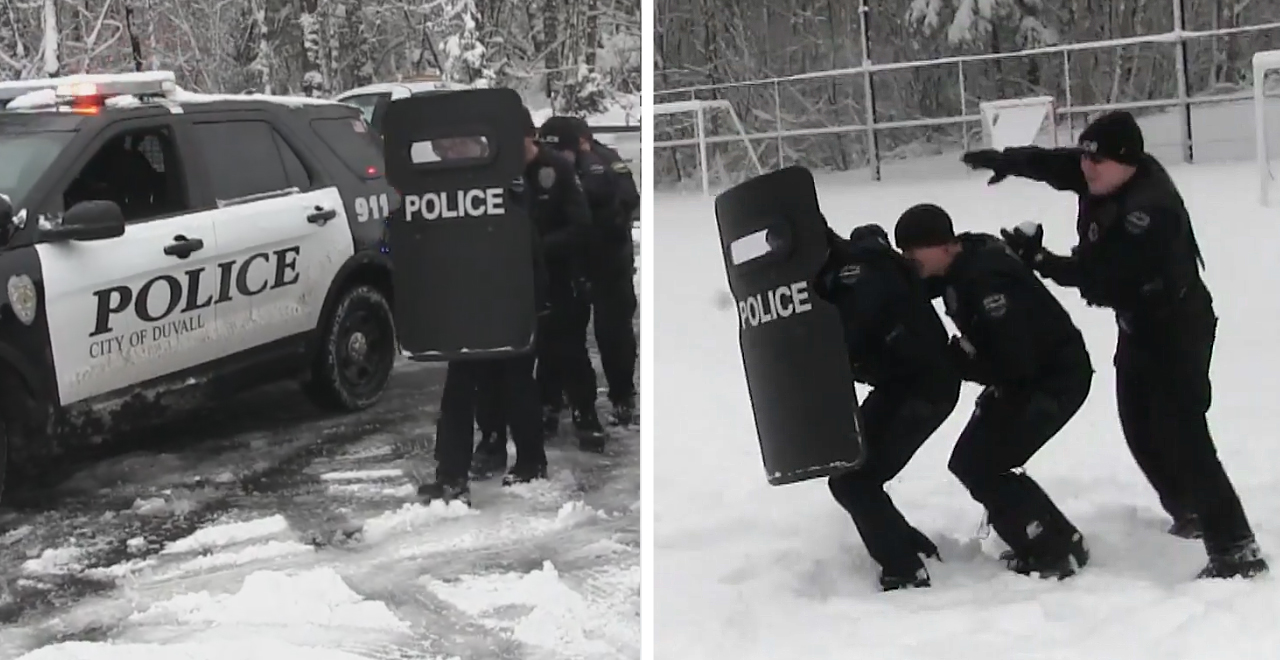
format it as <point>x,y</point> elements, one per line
<point>143,83</point>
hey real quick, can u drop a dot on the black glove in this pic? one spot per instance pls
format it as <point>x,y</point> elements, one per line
<point>1026,240</point>
<point>989,159</point>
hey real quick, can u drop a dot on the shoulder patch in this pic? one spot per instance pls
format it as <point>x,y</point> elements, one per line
<point>995,305</point>
<point>1137,222</point>
<point>621,168</point>
<point>595,168</point>
<point>547,177</point>
<point>850,274</point>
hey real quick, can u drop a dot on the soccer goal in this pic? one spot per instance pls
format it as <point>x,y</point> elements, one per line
<point>1264,62</point>
<point>702,115</point>
<point>1019,122</point>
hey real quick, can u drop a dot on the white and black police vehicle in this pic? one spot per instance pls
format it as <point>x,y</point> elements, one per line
<point>158,245</point>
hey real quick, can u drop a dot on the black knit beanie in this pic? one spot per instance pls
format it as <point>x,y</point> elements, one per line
<point>1114,136</point>
<point>923,225</point>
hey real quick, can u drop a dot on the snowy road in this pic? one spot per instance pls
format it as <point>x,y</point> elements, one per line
<point>278,528</point>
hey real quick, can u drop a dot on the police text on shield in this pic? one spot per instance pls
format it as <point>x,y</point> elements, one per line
<point>474,203</point>
<point>168,303</point>
<point>774,304</point>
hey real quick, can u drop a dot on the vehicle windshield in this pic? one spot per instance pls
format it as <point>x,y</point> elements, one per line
<point>24,157</point>
<point>366,103</point>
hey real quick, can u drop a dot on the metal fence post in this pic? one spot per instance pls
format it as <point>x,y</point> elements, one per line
<point>964,108</point>
<point>1066,84</point>
<point>1180,45</point>
<point>869,91</point>
<point>777,121</point>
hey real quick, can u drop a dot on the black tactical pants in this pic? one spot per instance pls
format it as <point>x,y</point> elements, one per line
<point>1163,395</point>
<point>512,379</point>
<point>1006,430</point>
<point>896,422</point>
<point>564,367</point>
<point>613,299</point>
<point>491,418</point>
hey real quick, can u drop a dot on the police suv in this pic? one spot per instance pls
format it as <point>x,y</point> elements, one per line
<point>157,243</point>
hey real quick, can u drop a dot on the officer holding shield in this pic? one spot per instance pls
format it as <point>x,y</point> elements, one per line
<point>508,382</point>
<point>1018,341</point>
<point>898,345</point>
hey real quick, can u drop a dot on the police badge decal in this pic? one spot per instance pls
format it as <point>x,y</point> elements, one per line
<point>547,177</point>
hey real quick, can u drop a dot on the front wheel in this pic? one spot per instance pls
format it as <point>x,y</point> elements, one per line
<point>357,351</point>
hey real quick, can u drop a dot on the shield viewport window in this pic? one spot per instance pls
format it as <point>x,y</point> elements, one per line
<point>459,150</point>
<point>757,245</point>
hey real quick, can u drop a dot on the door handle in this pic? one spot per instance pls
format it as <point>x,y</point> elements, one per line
<point>182,247</point>
<point>322,215</point>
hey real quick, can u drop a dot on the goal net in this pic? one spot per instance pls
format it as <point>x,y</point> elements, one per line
<point>704,142</point>
<point>1264,113</point>
<point>1019,122</point>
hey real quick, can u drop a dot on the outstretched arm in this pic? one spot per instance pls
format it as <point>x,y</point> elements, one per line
<point>1059,167</point>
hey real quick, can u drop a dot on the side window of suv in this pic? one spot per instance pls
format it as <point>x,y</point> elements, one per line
<point>246,158</point>
<point>138,170</point>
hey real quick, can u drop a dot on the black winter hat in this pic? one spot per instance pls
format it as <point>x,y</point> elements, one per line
<point>561,133</point>
<point>1114,136</point>
<point>869,233</point>
<point>923,225</point>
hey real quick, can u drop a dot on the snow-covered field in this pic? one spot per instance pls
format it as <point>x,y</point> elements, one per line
<point>745,570</point>
<point>303,538</point>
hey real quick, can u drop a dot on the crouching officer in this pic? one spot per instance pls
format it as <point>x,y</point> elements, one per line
<point>1137,254</point>
<point>570,370</point>
<point>1018,341</point>
<point>488,335</point>
<point>898,346</point>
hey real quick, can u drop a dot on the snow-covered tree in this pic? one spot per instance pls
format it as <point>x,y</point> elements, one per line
<point>979,21</point>
<point>465,56</point>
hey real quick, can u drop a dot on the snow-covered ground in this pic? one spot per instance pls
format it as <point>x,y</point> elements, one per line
<point>286,534</point>
<point>745,570</point>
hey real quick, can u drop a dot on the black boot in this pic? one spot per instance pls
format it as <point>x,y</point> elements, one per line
<point>446,491</point>
<point>917,580</point>
<point>624,412</point>
<point>591,435</point>
<point>1187,526</point>
<point>1244,561</point>
<point>490,456</point>
<point>1059,565</point>
<point>523,474</point>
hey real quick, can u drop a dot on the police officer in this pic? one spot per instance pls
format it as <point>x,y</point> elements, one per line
<point>898,345</point>
<point>1018,341</point>
<point>509,379</point>
<point>571,372</point>
<point>628,193</point>
<point>610,259</point>
<point>1137,254</point>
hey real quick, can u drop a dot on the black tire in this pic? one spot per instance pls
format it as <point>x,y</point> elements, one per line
<point>356,352</point>
<point>11,422</point>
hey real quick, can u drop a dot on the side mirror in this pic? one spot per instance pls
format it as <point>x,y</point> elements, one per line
<point>92,220</point>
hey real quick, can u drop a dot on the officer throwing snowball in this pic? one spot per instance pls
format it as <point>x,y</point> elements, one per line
<point>1137,254</point>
